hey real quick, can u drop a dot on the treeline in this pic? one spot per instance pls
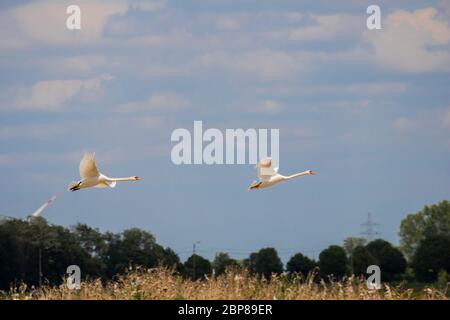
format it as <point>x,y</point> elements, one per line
<point>36,252</point>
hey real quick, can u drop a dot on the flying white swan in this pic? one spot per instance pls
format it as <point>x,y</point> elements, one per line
<point>91,177</point>
<point>268,175</point>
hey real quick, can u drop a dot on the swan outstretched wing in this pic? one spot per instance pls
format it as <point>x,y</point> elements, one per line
<point>88,168</point>
<point>106,184</point>
<point>265,169</point>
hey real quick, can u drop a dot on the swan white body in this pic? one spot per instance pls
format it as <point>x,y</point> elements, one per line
<point>269,176</point>
<point>92,178</point>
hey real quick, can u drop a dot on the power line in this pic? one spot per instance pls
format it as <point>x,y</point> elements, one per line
<point>369,225</point>
<point>193,259</point>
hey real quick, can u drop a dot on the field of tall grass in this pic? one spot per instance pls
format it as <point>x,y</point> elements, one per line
<point>161,283</point>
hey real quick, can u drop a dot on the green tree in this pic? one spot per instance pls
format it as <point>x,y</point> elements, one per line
<point>222,261</point>
<point>196,267</point>
<point>40,246</point>
<point>432,256</point>
<point>391,261</point>
<point>133,247</point>
<point>10,257</point>
<point>171,260</point>
<point>93,242</point>
<point>430,221</point>
<point>59,249</point>
<point>350,244</point>
<point>265,262</point>
<point>25,246</point>
<point>361,260</point>
<point>333,261</point>
<point>299,263</point>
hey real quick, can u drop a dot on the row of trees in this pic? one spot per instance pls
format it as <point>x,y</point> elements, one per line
<point>429,260</point>
<point>334,261</point>
<point>36,251</point>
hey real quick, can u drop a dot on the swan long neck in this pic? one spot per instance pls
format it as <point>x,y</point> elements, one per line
<point>122,179</point>
<point>295,175</point>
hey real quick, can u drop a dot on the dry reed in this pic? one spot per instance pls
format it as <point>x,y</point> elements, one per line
<point>161,283</point>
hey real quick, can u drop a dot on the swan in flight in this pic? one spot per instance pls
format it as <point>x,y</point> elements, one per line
<point>269,176</point>
<point>91,177</point>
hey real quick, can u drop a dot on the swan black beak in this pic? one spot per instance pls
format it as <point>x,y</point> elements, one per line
<point>75,186</point>
<point>254,185</point>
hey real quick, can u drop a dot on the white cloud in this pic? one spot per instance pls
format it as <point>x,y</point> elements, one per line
<point>44,21</point>
<point>43,132</point>
<point>52,95</point>
<point>432,121</point>
<point>326,27</point>
<point>166,101</point>
<point>322,28</point>
<point>360,89</point>
<point>268,64</point>
<point>406,38</point>
<point>181,51</point>
<point>72,158</point>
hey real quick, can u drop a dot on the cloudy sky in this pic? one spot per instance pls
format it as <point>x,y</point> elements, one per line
<point>368,109</point>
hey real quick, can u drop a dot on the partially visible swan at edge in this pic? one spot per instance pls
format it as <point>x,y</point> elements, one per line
<point>91,177</point>
<point>269,176</point>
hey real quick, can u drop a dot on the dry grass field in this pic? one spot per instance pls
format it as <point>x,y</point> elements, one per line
<point>160,283</point>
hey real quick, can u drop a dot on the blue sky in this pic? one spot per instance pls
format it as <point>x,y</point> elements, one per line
<point>368,109</point>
